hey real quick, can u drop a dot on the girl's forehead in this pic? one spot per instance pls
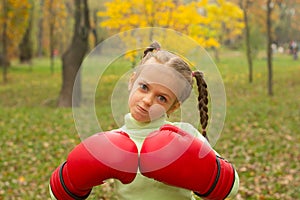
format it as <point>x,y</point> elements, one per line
<point>160,74</point>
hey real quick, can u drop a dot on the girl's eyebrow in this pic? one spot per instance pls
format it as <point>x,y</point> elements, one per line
<point>143,81</point>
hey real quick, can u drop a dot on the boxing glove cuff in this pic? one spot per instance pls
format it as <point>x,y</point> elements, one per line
<point>223,182</point>
<point>61,186</point>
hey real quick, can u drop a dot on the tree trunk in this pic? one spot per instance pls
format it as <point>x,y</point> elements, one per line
<point>94,30</point>
<point>248,43</point>
<point>74,55</point>
<point>216,54</point>
<point>4,41</point>
<point>26,45</point>
<point>40,30</point>
<point>269,49</point>
<point>51,47</point>
<point>51,35</point>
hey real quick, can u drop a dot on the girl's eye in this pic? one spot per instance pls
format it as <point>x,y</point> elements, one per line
<point>162,99</point>
<point>144,87</point>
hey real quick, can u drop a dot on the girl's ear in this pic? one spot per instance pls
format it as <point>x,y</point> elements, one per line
<point>174,107</point>
<point>131,81</point>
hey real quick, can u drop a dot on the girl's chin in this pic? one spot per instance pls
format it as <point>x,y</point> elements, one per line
<point>145,119</point>
<point>141,119</point>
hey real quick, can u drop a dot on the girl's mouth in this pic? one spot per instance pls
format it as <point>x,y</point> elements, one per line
<point>142,110</point>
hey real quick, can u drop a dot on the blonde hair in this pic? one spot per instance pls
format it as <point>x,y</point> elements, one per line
<point>176,62</point>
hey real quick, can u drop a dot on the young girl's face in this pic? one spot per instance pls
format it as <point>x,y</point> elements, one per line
<point>153,92</point>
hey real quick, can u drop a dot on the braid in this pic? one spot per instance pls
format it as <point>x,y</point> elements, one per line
<point>202,100</point>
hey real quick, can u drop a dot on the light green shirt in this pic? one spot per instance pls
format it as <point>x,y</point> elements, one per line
<point>148,189</point>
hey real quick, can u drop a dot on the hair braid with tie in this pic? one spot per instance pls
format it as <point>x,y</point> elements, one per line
<point>202,101</point>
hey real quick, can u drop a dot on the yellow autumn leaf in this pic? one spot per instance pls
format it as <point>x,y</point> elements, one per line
<point>21,179</point>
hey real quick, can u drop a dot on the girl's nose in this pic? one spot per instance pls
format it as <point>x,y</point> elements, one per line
<point>148,99</point>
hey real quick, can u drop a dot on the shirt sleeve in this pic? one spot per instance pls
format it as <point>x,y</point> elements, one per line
<point>235,187</point>
<point>51,193</point>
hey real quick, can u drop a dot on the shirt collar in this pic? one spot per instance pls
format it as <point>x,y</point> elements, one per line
<point>131,123</point>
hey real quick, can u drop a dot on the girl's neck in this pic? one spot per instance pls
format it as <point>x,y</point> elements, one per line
<point>130,122</point>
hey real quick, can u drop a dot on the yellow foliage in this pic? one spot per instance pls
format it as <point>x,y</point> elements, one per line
<point>55,16</point>
<point>226,19</point>
<point>212,42</point>
<point>203,21</point>
<point>17,13</point>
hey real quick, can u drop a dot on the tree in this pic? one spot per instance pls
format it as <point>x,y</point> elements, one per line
<point>98,33</point>
<point>55,13</point>
<point>200,20</point>
<point>225,21</point>
<point>52,20</point>
<point>269,5</point>
<point>286,28</point>
<point>4,40</point>
<point>74,55</point>
<point>40,30</point>
<point>292,13</point>
<point>26,45</point>
<point>244,4</point>
<point>13,23</point>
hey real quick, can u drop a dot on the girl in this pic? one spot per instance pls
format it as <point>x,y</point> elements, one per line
<point>175,160</point>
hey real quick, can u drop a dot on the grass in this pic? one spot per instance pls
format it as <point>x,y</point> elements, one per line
<point>260,135</point>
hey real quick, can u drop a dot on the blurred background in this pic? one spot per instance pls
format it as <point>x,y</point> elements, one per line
<point>254,43</point>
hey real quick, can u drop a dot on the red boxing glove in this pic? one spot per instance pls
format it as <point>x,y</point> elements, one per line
<point>175,157</point>
<point>99,157</point>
